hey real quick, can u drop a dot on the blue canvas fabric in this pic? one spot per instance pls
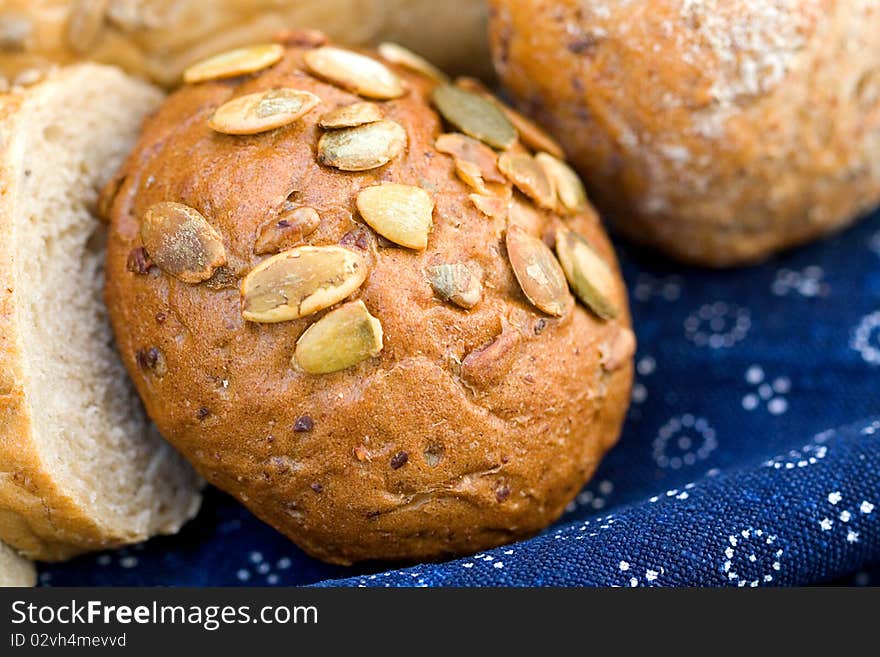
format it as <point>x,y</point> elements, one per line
<point>750,456</point>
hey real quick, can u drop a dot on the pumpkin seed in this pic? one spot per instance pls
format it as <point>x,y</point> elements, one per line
<point>470,174</point>
<point>569,188</point>
<point>531,134</point>
<point>588,274</point>
<point>362,148</point>
<point>462,147</point>
<point>354,72</point>
<point>526,216</point>
<point>181,242</point>
<point>474,115</point>
<point>529,177</point>
<point>284,231</point>
<point>234,62</point>
<point>340,339</point>
<point>539,274</point>
<point>400,213</point>
<point>262,111</point>
<point>491,206</point>
<point>456,283</point>
<point>299,282</point>
<point>397,54</point>
<point>351,116</point>
<point>619,351</point>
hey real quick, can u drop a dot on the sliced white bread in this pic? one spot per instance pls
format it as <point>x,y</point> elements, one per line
<point>81,468</point>
<point>14,569</point>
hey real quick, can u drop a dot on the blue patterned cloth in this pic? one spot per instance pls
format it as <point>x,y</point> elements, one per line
<point>750,457</point>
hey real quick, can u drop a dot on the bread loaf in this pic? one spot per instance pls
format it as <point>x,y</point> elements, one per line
<point>80,466</point>
<point>159,38</point>
<point>338,307</point>
<point>718,131</point>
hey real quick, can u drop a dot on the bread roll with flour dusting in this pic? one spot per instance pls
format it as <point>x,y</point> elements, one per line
<point>720,132</point>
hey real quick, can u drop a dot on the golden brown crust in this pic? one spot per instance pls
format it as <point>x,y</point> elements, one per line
<point>470,429</point>
<point>159,38</point>
<point>718,131</point>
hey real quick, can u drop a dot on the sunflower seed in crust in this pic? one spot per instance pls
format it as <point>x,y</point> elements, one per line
<point>400,213</point>
<point>234,62</point>
<point>299,282</point>
<point>529,177</point>
<point>286,230</point>
<point>474,115</point>
<point>262,111</point>
<point>340,339</point>
<point>457,283</point>
<point>539,274</point>
<point>462,147</point>
<point>354,72</point>
<point>351,116</point>
<point>362,148</point>
<point>397,54</point>
<point>181,242</point>
<point>588,274</point>
<point>569,188</point>
<point>492,206</point>
<point>85,23</point>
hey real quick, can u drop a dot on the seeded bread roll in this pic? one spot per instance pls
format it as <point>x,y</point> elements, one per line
<point>15,570</point>
<point>360,330</point>
<point>159,38</point>
<point>81,468</point>
<point>718,131</point>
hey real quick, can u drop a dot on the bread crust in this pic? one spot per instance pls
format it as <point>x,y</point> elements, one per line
<point>159,38</point>
<point>720,132</point>
<point>470,429</point>
<point>38,516</point>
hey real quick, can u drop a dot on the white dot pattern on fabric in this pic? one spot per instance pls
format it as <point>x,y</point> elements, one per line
<point>593,497</point>
<point>807,283</point>
<point>646,365</point>
<point>752,557</point>
<point>718,325</point>
<point>768,393</point>
<point>683,441</point>
<point>866,338</point>
<point>848,518</point>
<point>258,566</point>
<point>805,456</point>
<point>639,393</point>
<point>665,288</point>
